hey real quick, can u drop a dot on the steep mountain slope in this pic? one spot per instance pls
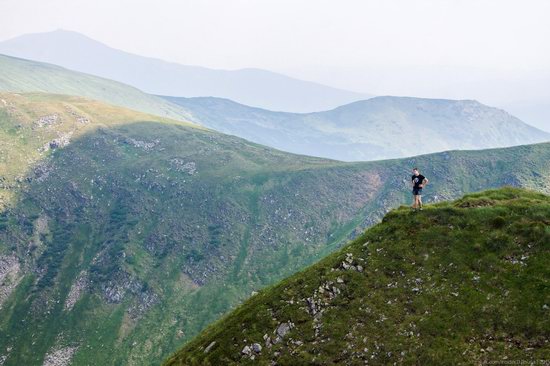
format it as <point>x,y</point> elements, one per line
<point>465,282</point>
<point>255,87</point>
<point>20,76</point>
<point>374,129</point>
<point>123,235</point>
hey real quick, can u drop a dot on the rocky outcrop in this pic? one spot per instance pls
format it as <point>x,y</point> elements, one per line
<point>48,120</point>
<point>63,140</point>
<point>180,165</point>
<point>78,118</point>
<point>115,289</point>
<point>250,350</point>
<point>145,145</point>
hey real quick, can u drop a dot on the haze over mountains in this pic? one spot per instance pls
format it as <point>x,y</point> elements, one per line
<point>377,128</point>
<point>255,87</point>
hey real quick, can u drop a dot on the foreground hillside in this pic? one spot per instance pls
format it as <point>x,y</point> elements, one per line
<point>373,129</point>
<point>122,234</point>
<point>465,282</point>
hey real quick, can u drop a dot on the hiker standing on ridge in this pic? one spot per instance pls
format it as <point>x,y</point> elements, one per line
<point>418,182</point>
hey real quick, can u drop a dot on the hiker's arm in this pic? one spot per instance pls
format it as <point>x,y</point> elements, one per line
<point>424,182</point>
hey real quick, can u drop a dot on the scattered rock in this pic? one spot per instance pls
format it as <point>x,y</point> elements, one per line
<point>246,351</point>
<point>256,347</point>
<point>207,349</point>
<point>311,305</point>
<point>283,329</point>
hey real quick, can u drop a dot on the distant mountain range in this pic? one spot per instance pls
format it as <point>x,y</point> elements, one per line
<point>253,87</point>
<point>373,129</point>
<point>377,128</point>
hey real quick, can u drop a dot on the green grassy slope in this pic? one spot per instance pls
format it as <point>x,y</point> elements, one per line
<point>464,282</point>
<point>123,235</point>
<point>23,76</point>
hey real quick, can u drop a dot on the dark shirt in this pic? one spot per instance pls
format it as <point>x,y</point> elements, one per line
<point>417,180</point>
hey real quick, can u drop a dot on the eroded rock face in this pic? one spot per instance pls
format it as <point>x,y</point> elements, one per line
<point>10,276</point>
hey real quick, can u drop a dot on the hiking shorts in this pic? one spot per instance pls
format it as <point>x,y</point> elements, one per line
<point>417,191</point>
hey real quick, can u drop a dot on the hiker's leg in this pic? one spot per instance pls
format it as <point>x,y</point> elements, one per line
<point>414,201</point>
<point>419,200</point>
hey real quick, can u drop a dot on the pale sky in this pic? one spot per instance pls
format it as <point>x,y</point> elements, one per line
<point>497,51</point>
